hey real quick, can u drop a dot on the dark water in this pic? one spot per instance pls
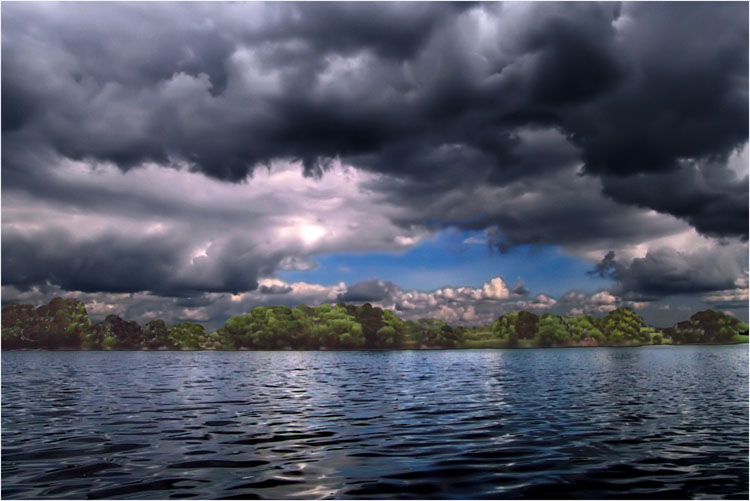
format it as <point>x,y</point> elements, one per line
<point>653,422</point>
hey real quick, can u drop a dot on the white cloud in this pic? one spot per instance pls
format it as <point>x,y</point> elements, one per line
<point>598,303</point>
<point>495,289</point>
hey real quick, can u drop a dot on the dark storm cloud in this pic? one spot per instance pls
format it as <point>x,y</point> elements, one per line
<point>274,289</point>
<point>367,290</point>
<point>683,97</point>
<point>606,267</point>
<point>177,233</point>
<point>520,289</point>
<point>665,272</point>
<point>348,27</point>
<point>117,263</point>
<point>737,304</point>
<point>129,85</point>
<point>560,207</point>
<point>548,123</point>
<point>708,196</point>
<point>428,92</point>
<point>113,264</point>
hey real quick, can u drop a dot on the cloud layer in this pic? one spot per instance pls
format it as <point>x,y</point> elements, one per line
<point>188,150</point>
<point>409,90</point>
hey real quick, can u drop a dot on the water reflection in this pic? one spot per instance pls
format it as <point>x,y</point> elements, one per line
<point>597,423</point>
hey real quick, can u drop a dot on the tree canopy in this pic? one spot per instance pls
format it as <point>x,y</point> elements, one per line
<point>65,324</point>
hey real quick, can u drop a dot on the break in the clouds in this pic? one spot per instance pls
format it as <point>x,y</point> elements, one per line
<point>179,157</point>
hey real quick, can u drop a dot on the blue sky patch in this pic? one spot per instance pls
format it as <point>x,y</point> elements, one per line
<point>447,259</point>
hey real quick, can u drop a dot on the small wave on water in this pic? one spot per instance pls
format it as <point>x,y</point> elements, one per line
<point>650,422</point>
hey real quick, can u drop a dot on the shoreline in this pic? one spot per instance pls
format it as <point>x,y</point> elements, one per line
<point>379,349</point>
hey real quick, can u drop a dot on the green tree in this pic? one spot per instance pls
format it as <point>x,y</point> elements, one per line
<point>187,336</point>
<point>240,329</point>
<point>336,328</point>
<point>219,340</point>
<point>63,323</point>
<point>596,335</point>
<point>387,337</point>
<point>128,335</point>
<point>156,336</point>
<point>516,325</point>
<point>394,334</point>
<point>370,319</point>
<point>552,331</point>
<point>109,343</point>
<point>708,327</point>
<point>623,325</point>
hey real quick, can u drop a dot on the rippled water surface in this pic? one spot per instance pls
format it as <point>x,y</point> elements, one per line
<point>650,422</point>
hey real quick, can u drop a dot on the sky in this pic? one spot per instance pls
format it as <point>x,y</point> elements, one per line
<point>453,160</point>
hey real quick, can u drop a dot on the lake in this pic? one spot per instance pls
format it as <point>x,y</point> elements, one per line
<point>649,422</point>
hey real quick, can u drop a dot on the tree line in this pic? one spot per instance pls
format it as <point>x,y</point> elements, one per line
<point>65,324</point>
